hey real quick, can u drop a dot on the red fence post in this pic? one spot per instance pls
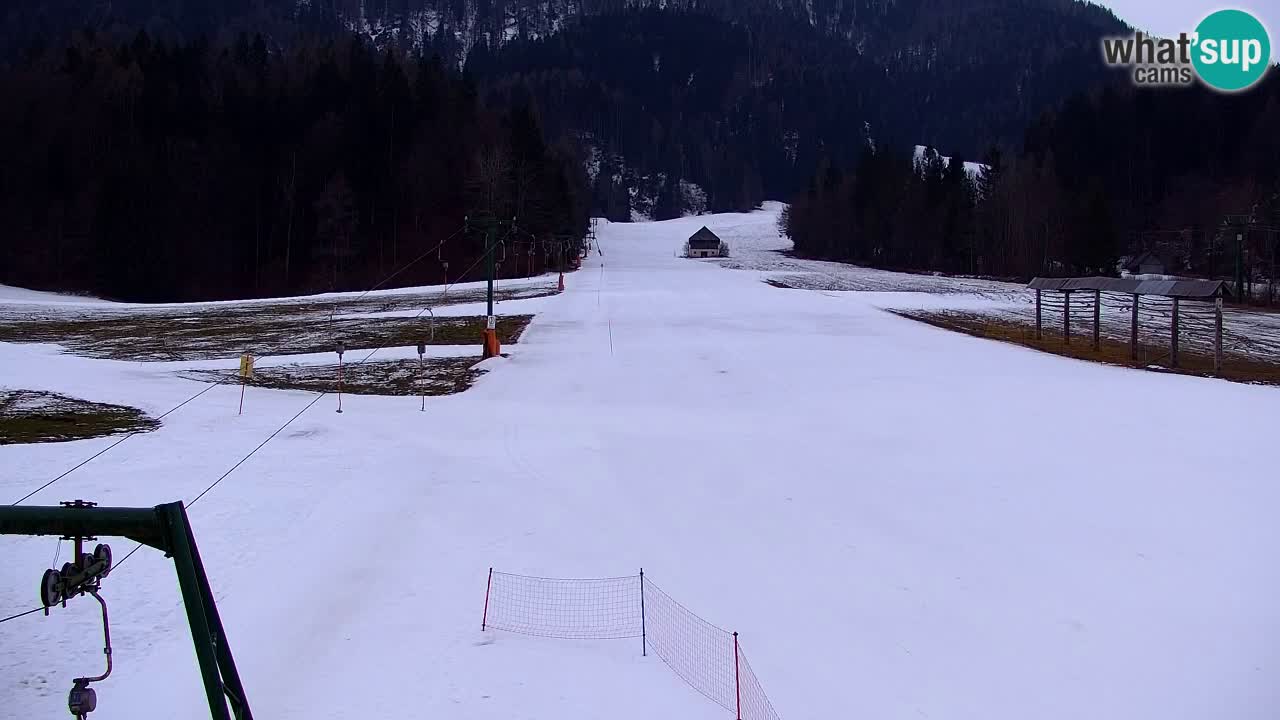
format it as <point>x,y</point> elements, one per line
<point>737,682</point>
<point>339,383</point>
<point>489,585</point>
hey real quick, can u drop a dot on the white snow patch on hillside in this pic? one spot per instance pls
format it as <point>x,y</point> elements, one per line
<point>17,295</point>
<point>973,169</point>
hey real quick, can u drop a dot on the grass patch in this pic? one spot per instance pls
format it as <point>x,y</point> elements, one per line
<point>438,376</point>
<point>1111,351</point>
<point>226,334</point>
<point>281,327</point>
<point>28,416</point>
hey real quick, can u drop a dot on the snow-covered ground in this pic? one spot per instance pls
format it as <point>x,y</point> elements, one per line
<point>1248,333</point>
<point>12,296</point>
<point>902,522</point>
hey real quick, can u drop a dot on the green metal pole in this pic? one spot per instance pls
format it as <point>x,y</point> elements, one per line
<point>166,528</point>
<point>222,648</point>
<point>189,583</point>
<point>138,524</point>
<point>488,249</point>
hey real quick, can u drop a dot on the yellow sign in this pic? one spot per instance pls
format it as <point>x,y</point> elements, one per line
<point>246,366</point>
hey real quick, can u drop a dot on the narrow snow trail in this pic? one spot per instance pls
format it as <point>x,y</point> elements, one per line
<point>901,522</point>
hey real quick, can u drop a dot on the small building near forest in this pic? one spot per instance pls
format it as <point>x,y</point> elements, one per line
<point>1153,262</point>
<point>704,244</point>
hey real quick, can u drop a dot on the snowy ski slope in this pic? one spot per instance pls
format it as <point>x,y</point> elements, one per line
<point>901,522</point>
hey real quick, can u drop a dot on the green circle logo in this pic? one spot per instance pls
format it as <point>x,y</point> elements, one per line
<point>1232,50</point>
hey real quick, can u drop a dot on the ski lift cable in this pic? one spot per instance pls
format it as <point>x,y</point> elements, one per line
<point>252,452</point>
<point>21,614</point>
<point>216,383</point>
<point>410,264</point>
<point>307,407</point>
<point>104,450</point>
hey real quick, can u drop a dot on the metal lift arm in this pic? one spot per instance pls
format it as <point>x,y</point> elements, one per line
<point>165,528</point>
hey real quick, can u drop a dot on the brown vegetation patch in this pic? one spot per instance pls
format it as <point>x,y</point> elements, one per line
<point>28,416</point>
<point>1151,357</point>
<point>216,334</point>
<point>437,376</point>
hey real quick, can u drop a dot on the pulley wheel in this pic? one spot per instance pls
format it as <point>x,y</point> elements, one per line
<point>50,587</point>
<point>102,554</point>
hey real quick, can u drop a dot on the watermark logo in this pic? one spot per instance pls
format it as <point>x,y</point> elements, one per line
<point>1234,50</point>
<point>1229,51</point>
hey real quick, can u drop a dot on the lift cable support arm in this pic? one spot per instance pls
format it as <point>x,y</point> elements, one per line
<point>165,528</point>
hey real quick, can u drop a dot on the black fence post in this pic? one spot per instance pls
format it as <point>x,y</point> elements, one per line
<point>644,642</point>
<point>488,586</point>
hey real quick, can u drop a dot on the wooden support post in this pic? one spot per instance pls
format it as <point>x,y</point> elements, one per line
<point>1066,317</point>
<point>1173,336</point>
<point>1097,320</point>
<point>1217,337</point>
<point>1039,318</point>
<point>1133,330</point>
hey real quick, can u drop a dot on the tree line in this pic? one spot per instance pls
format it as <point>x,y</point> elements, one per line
<point>741,98</point>
<point>747,107</point>
<point>1109,173</point>
<point>150,171</point>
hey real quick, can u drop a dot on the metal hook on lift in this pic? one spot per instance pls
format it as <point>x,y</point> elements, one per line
<point>82,699</point>
<point>82,575</point>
